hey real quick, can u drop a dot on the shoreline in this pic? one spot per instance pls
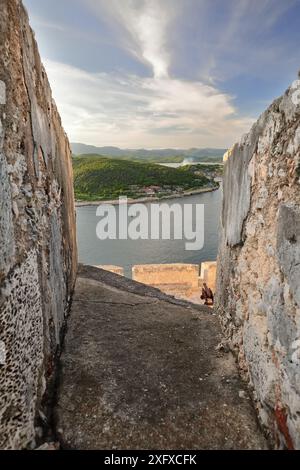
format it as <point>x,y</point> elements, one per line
<point>116,202</point>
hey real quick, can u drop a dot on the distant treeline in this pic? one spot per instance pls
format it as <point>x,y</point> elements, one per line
<point>154,155</point>
<point>160,159</point>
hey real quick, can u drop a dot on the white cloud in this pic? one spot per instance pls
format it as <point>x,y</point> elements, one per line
<point>130,111</point>
<point>39,22</point>
<point>161,110</point>
<point>146,24</point>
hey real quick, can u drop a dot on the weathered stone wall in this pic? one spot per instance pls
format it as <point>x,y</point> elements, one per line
<point>258,281</point>
<point>179,280</point>
<point>159,274</point>
<point>112,269</point>
<point>37,228</point>
<point>208,273</point>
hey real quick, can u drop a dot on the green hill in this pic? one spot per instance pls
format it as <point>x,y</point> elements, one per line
<point>99,178</point>
<point>137,158</point>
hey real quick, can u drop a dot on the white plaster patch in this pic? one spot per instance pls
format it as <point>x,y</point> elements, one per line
<point>296,92</point>
<point>1,134</point>
<point>262,369</point>
<point>295,143</point>
<point>2,353</point>
<point>250,228</point>
<point>281,173</point>
<point>2,92</point>
<point>296,354</point>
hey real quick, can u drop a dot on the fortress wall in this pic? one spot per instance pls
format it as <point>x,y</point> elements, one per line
<point>179,280</point>
<point>258,280</point>
<point>38,256</point>
<point>208,274</point>
<point>113,269</point>
<point>159,274</point>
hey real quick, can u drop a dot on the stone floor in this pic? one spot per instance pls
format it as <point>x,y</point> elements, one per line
<point>181,292</point>
<point>141,370</point>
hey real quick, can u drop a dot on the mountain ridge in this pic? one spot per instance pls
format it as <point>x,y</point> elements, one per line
<point>111,151</point>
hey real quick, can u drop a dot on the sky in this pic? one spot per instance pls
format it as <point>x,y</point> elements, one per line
<point>165,73</point>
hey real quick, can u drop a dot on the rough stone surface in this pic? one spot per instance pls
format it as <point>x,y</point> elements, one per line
<point>258,281</point>
<point>37,228</point>
<point>111,268</point>
<point>159,274</point>
<point>208,273</point>
<point>141,370</point>
<point>179,280</point>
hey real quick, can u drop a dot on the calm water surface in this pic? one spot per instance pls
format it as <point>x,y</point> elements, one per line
<point>127,252</point>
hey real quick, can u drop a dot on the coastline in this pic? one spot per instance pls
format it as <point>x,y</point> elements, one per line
<point>116,202</point>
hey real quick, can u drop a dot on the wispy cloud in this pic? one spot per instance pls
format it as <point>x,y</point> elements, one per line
<point>130,111</point>
<point>216,44</point>
<point>64,29</point>
<point>44,23</point>
<point>146,24</point>
<point>244,41</point>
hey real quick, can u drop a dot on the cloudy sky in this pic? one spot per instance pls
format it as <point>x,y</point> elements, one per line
<point>165,73</point>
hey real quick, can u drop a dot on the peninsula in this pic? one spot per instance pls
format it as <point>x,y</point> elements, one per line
<point>98,179</point>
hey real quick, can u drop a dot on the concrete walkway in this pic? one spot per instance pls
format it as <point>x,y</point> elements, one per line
<point>140,370</point>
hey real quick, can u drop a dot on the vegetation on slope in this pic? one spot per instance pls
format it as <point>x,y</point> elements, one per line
<point>208,170</point>
<point>139,158</point>
<point>159,158</point>
<point>100,178</point>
